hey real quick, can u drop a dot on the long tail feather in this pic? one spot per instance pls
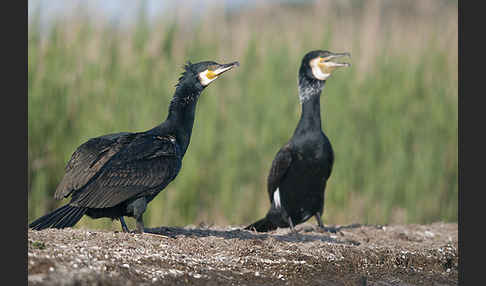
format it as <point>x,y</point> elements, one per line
<point>65,216</point>
<point>262,225</point>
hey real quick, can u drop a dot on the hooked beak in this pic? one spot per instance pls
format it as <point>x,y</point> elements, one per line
<point>208,76</point>
<point>328,65</point>
<point>225,67</point>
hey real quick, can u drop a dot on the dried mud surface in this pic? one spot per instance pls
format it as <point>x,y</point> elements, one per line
<point>215,255</point>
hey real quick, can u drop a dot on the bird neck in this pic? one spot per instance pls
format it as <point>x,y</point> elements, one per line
<point>182,107</point>
<point>180,120</point>
<point>310,99</point>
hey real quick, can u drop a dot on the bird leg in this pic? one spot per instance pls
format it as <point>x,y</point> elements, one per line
<point>123,224</point>
<point>321,225</point>
<point>292,227</point>
<point>137,209</point>
<point>140,227</point>
<point>319,220</point>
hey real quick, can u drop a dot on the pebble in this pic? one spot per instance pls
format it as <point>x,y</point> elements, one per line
<point>429,233</point>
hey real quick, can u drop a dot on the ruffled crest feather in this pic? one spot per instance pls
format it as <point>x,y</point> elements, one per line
<point>186,68</point>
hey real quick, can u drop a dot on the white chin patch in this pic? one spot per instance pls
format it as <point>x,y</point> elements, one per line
<point>316,70</point>
<point>203,78</point>
<point>276,198</point>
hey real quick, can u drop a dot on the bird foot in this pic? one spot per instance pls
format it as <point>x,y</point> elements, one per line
<point>294,232</point>
<point>323,229</point>
<point>135,231</point>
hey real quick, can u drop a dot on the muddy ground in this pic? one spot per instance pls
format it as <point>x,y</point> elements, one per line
<point>212,255</point>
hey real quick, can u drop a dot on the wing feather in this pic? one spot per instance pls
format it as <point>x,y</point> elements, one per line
<point>146,165</point>
<point>86,162</point>
<point>280,165</point>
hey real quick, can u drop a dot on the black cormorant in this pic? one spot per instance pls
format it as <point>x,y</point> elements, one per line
<point>299,172</point>
<point>117,175</point>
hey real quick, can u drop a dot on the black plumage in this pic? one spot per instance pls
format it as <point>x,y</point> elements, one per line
<point>117,175</point>
<point>297,180</point>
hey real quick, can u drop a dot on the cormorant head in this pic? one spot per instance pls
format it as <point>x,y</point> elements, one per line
<point>201,74</point>
<point>320,64</point>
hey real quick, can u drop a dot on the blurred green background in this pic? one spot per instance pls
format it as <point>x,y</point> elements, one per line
<point>392,117</point>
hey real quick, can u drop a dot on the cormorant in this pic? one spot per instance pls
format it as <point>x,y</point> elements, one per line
<point>117,175</point>
<point>297,180</point>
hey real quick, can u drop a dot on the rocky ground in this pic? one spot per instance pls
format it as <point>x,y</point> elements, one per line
<point>212,255</point>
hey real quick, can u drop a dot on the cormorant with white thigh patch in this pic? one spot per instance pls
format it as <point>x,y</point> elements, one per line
<point>117,175</point>
<point>299,172</point>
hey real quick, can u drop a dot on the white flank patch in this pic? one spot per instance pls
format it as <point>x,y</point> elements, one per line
<point>276,198</point>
